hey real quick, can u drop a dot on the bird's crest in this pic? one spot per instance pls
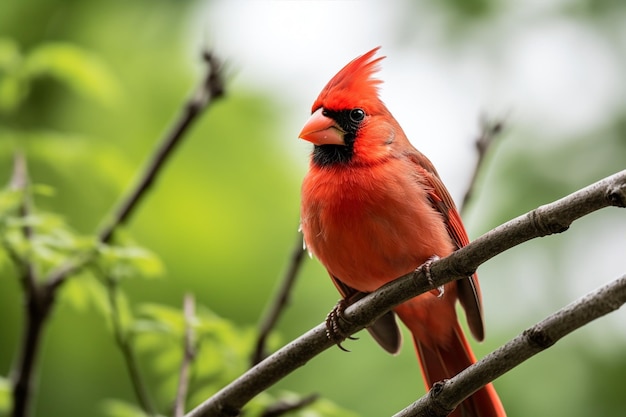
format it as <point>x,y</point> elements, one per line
<point>353,85</point>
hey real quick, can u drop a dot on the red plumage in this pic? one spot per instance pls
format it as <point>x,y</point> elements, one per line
<point>373,209</point>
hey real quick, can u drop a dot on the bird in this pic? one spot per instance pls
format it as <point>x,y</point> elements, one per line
<point>374,208</point>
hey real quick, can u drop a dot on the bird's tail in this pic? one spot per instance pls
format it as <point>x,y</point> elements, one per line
<point>443,362</point>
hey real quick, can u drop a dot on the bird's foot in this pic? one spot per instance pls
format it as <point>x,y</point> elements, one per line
<point>426,268</point>
<point>333,327</point>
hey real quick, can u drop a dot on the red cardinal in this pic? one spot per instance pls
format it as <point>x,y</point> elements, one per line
<point>374,209</point>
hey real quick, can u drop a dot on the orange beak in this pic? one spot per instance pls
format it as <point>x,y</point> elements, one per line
<point>322,130</point>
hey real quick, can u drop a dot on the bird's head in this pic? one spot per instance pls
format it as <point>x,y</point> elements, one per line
<point>349,120</point>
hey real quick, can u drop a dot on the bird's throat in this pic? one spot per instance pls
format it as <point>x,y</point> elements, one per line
<point>328,155</point>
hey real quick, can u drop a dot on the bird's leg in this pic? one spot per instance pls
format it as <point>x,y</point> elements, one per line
<point>333,328</point>
<point>426,268</point>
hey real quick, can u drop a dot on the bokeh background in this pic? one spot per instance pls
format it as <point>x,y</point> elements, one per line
<point>224,216</point>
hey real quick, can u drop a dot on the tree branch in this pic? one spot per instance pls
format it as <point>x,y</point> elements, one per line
<point>551,218</point>
<point>280,300</point>
<point>189,353</point>
<point>20,182</point>
<point>36,306</point>
<point>490,131</point>
<point>283,407</point>
<point>120,333</point>
<point>210,89</point>
<point>446,395</point>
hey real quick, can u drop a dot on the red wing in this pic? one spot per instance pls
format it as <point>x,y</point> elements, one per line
<point>468,289</point>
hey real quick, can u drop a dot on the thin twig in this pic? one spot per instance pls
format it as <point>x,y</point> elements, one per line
<point>19,182</point>
<point>123,342</point>
<point>36,305</point>
<point>212,88</point>
<point>551,218</point>
<point>446,395</point>
<point>189,354</point>
<point>279,301</point>
<point>490,131</point>
<point>39,302</point>
<point>283,407</point>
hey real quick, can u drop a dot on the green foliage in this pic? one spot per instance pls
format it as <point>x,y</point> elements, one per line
<point>80,70</point>
<point>121,262</point>
<point>74,67</point>
<point>49,242</point>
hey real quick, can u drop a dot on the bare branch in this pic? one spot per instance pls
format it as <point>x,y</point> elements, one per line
<point>280,300</point>
<point>189,354</point>
<point>36,305</point>
<point>210,89</point>
<point>19,182</point>
<point>446,395</point>
<point>490,131</point>
<point>123,342</point>
<point>284,407</point>
<point>545,220</point>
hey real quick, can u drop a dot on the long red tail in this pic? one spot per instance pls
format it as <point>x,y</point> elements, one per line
<point>442,362</point>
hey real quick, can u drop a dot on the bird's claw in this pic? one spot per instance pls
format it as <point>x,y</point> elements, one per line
<point>426,268</point>
<point>333,328</point>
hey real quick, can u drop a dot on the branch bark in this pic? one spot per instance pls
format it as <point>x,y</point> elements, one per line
<point>210,89</point>
<point>551,218</point>
<point>280,301</point>
<point>124,344</point>
<point>446,395</point>
<point>36,305</point>
<point>189,354</point>
<point>490,131</point>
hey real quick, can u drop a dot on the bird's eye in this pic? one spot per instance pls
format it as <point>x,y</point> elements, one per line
<point>357,115</point>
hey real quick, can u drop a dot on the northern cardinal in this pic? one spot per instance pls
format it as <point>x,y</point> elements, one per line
<point>374,209</point>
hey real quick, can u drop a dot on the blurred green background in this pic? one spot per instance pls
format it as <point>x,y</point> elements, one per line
<point>110,77</point>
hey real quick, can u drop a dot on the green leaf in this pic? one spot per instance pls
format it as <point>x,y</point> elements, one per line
<point>79,69</point>
<point>51,242</point>
<point>84,291</point>
<point>123,262</point>
<point>167,317</point>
